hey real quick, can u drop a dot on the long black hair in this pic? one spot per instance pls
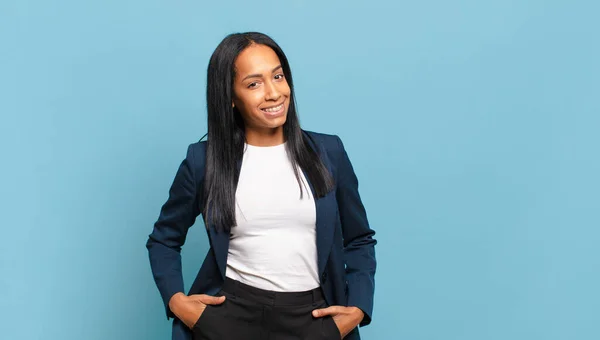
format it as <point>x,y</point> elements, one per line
<point>226,134</point>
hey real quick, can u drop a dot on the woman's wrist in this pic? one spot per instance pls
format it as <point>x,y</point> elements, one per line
<point>358,313</point>
<point>174,301</point>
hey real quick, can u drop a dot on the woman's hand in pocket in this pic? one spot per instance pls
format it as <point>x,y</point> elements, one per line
<point>345,318</point>
<point>188,309</point>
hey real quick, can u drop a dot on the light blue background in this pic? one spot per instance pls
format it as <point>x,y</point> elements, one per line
<point>472,125</point>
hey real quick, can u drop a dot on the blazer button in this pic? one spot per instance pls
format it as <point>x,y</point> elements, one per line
<point>324,278</point>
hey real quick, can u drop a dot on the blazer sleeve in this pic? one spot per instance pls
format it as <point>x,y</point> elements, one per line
<point>359,244</point>
<point>177,215</point>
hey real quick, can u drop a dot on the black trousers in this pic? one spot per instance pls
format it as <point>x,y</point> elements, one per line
<point>249,313</point>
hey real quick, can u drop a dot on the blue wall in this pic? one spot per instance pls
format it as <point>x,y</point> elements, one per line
<point>473,127</point>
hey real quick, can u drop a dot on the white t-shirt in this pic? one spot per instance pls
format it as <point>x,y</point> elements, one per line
<point>273,246</point>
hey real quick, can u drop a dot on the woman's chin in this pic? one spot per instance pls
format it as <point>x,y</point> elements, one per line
<point>275,123</point>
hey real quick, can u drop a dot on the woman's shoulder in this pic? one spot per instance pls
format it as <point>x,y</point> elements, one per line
<point>198,147</point>
<point>196,155</point>
<point>332,144</point>
<point>325,139</point>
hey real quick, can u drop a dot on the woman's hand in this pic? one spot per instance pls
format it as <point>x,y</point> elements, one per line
<point>188,309</point>
<point>345,318</point>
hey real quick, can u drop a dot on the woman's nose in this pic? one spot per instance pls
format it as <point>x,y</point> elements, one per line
<point>271,91</point>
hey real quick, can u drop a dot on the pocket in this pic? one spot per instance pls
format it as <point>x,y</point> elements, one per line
<point>333,329</point>
<point>201,317</point>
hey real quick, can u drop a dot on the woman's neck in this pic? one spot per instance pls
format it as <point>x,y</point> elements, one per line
<point>270,137</point>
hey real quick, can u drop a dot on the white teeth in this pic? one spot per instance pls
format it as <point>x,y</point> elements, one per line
<point>274,109</point>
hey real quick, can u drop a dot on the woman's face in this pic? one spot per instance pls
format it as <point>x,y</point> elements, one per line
<point>261,92</point>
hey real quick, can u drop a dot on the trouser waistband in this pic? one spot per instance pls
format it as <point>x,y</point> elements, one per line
<point>268,297</point>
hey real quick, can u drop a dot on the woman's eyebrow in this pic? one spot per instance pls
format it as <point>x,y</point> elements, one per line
<point>258,75</point>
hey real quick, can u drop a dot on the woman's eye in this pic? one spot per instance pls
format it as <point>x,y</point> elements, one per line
<point>252,85</point>
<point>279,76</point>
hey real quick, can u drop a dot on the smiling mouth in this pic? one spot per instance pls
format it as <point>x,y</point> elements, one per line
<point>273,108</point>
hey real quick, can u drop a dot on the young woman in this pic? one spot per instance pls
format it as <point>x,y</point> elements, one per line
<point>291,252</point>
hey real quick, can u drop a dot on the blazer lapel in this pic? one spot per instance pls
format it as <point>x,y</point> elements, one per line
<point>325,210</point>
<point>325,222</point>
<point>219,241</point>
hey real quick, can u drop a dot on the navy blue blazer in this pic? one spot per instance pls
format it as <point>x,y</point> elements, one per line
<point>345,243</point>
